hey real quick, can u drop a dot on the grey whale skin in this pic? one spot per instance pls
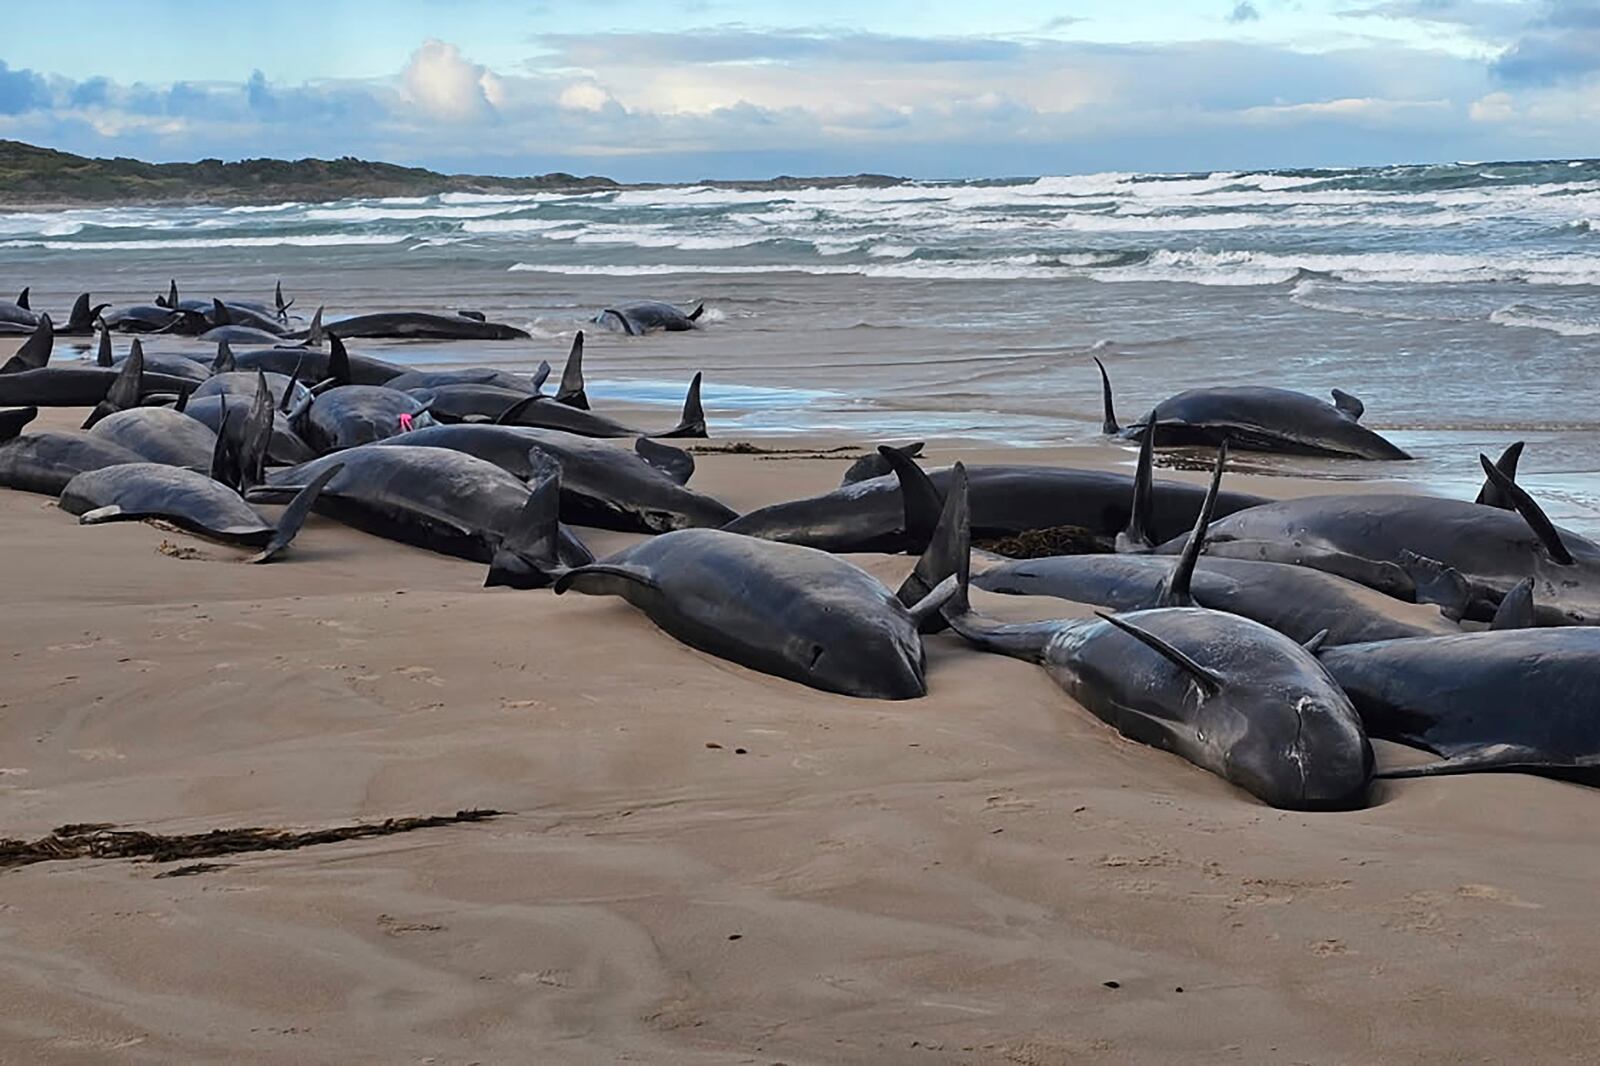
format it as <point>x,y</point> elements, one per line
<point>869,516</point>
<point>1485,551</point>
<point>1226,693</point>
<point>46,460</point>
<point>1296,601</point>
<point>793,612</point>
<point>601,485</point>
<point>189,499</point>
<point>1257,418</point>
<point>419,324</point>
<point>1517,699</point>
<point>434,498</point>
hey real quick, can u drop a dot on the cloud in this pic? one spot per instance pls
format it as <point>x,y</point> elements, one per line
<point>1562,45</point>
<point>443,84</point>
<point>20,90</point>
<point>1244,11</point>
<point>732,102</point>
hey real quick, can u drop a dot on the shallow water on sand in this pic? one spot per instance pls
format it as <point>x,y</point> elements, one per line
<point>1461,304</point>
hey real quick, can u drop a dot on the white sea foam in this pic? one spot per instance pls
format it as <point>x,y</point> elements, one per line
<point>1525,317</point>
<point>157,245</point>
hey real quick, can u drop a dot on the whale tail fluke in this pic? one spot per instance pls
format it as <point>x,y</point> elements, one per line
<point>694,316</point>
<point>1491,496</point>
<point>294,515</point>
<point>944,528</point>
<point>530,555</point>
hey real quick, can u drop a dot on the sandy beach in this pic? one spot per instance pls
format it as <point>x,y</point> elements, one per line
<point>700,863</point>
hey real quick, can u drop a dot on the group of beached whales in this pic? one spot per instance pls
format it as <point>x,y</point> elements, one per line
<point>1247,635</point>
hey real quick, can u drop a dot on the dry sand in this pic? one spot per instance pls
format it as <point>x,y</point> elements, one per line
<point>702,863</point>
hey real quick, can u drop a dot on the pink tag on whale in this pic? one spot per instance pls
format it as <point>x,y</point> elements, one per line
<point>405,423</point>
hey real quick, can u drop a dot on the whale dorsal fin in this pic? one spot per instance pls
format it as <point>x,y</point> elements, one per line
<point>570,391</point>
<point>1349,404</point>
<point>34,354</point>
<point>12,422</point>
<point>1175,589</point>
<point>694,316</point>
<point>257,435</point>
<point>315,334</point>
<point>103,354</point>
<point>338,361</point>
<point>541,375</point>
<point>1516,610</point>
<point>676,463</point>
<point>1525,506</point>
<point>1209,680</point>
<point>476,316</point>
<point>22,298</point>
<point>126,390</point>
<point>172,294</point>
<point>219,313</point>
<point>1109,425</point>
<point>1318,639</point>
<point>224,361</point>
<point>1507,465</point>
<point>692,423</point>
<point>1137,537</point>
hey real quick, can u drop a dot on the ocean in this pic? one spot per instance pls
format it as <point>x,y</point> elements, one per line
<point>1460,302</point>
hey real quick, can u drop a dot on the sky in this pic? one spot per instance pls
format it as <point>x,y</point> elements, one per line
<point>674,90</point>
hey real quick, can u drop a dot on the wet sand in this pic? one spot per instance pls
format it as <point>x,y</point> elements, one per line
<point>700,863</point>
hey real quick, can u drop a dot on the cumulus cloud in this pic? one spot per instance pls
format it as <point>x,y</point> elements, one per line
<point>443,84</point>
<point>733,102</point>
<point>1561,45</point>
<point>1244,11</point>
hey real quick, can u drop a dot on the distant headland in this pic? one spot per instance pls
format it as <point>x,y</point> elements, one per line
<point>31,175</point>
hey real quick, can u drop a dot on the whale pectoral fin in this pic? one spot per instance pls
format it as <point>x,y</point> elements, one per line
<point>1507,465</point>
<point>1440,584</point>
<point>108,513</point>
<point>1504,758</point>
<point>13,421</point>
<point>1349,404</point>
<point>1207,679</point>
<point>294,515</point>
<point>606,579</point>
<point>1516,610</point>
<point>541,375</point>
<point>676,463</point>
<point>1318,639</point>
<point>1530,511</point>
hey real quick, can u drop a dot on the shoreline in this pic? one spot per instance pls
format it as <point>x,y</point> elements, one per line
<point>699,863</point>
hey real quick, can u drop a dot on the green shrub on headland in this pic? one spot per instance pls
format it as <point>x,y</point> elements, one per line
<point>32,175</point>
